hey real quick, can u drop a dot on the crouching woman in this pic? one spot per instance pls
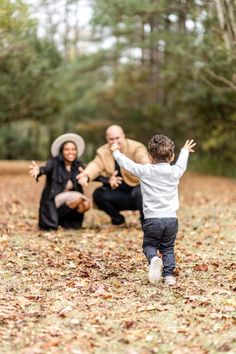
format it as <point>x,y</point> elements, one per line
<point>62,201</point>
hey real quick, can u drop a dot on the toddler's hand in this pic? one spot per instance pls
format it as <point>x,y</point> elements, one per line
<point>114,147</point>
<point>189,145</point>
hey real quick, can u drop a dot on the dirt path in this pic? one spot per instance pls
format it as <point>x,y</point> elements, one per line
<point>87,292</point>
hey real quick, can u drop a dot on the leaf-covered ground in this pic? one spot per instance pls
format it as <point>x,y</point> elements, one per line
<point>86,291</point>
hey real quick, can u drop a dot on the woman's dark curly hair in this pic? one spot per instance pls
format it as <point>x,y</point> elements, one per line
<point>161,148</point>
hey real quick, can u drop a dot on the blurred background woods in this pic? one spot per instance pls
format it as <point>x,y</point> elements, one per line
<point>152,66</point>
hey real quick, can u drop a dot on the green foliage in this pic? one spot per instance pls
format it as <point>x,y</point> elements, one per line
<point>31,87</point>
<point>166,70</point>
<point>178,86</point>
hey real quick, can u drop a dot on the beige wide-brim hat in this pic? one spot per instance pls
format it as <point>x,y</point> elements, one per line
<point>75,138</point>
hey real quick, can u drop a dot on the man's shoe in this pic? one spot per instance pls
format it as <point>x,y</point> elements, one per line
<point>169,280</point>
<point>155,269</point>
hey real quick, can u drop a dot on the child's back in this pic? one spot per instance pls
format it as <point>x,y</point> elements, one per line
<point>159,186</point>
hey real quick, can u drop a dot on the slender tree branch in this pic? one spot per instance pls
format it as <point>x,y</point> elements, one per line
<point>222,79</point>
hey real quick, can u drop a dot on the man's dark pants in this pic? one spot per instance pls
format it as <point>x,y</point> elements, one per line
<point>112,201</point>
<point>160,234</point>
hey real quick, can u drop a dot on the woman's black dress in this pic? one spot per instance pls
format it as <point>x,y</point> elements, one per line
<point>56,179</point>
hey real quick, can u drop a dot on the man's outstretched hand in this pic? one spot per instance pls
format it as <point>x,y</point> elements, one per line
<point>189,145</point>
<point>115,180</point>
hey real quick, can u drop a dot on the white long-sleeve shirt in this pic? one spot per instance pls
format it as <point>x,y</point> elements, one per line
<point>158,182</point>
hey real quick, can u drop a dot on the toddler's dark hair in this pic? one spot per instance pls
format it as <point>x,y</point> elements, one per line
<point>161,148</point>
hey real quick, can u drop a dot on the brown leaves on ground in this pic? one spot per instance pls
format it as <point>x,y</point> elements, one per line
<point>86,291</point>
<point>201,267</point>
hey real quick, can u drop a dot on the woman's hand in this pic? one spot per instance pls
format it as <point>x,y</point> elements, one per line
<point>84,205</point>
<point>82,177</point>
<point>81,203</point>
<point>34,169</point>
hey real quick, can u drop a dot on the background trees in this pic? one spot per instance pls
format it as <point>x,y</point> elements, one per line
<point>152,66</point>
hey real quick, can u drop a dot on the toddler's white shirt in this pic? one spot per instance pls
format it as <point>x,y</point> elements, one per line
<point>158,182</point>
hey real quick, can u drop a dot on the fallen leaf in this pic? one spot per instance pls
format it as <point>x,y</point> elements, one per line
<point>201,267</point>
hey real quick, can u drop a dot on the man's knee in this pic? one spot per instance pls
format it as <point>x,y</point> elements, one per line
<point>100,195</point>
<point>97,195</point>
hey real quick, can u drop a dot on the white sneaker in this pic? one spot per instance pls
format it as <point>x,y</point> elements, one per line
<point>169,280</point>
<point>155,269</point>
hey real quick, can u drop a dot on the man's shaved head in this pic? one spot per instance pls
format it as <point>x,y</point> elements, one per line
<point>115,134</point>
<point>113,129</point>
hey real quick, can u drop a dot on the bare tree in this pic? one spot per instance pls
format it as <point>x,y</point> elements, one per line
<point>226,10</point>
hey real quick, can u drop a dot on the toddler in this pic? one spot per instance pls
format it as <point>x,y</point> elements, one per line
<point>159,187</point>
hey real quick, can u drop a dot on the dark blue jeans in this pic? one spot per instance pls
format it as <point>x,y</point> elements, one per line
<point>160,234</point>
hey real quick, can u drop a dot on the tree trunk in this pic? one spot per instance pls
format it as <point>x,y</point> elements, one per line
<point>226,16</point>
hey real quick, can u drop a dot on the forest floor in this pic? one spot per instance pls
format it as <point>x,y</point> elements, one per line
<point>86,291</point>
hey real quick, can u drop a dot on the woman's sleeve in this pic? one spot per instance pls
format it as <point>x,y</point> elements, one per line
<point>46,169</point>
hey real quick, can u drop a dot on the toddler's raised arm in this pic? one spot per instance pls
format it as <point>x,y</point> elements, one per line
<point>128,164</point>
<point>181,164</point>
